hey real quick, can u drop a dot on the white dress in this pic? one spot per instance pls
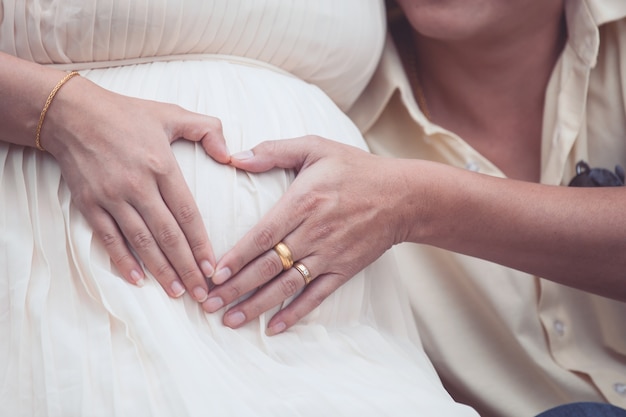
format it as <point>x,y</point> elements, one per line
<point>77,340</point>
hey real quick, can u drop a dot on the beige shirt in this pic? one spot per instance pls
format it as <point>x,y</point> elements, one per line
<point>506,342</point>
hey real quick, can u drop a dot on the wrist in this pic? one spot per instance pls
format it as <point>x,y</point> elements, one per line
<point>65,116</point>
<point>429,195</point>
<point>46,107</point>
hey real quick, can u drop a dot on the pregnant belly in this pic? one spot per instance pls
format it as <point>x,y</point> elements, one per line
<point>254,103</point>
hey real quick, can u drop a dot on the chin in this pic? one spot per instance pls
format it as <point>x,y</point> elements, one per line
<point>448,19</point>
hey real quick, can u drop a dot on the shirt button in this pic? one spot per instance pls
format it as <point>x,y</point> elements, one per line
<point>559,327</point>
<point>472,166</point>
<point>620,388</point>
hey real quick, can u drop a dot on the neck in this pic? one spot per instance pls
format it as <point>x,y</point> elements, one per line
<point>492,88</point>
<point>508,70</point>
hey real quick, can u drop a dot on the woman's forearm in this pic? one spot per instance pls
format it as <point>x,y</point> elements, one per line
<point>24,88</point>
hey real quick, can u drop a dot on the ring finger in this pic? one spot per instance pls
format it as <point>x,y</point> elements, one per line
<point>254,275</point>
<point>273,293</point>
<point>147,248</point>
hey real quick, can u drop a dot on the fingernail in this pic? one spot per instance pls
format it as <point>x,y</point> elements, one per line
<point>213,304</point>
<point>207,269</point>
<point>276,328</point>
<point>234,319</point>
<point>200,294</point>
<point>221,276</point>
<point>242,155</point>
<point>177,289</point>
<point>137,278</point>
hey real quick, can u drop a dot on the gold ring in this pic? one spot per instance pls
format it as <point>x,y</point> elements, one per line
<point>304,271</point>
<point>284,254</point>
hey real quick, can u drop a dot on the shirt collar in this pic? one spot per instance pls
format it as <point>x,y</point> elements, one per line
<point>388,78</point>
<point>582,31</point>
<point>605,11</point>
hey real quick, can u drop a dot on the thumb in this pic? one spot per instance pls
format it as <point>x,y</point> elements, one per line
<point>287,153</point>
<point>208,131</point>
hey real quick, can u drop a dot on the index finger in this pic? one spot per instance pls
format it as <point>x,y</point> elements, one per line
<point>270,230</point>
<point>181,203</point>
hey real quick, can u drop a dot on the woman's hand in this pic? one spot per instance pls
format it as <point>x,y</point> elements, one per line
<point>336,218</point>
<point>114,152</point>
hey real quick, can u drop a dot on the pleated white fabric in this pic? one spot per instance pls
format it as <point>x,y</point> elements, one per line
<point>77,340</point>
<point>333,44</point>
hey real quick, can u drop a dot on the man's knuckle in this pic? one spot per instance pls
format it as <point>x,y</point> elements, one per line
<point>288,286</point>
<point>270,267</point>
<point>310,202</point>
<point>255,310</point>
<point>264,239</point>
<point>110,191</point>
<point>322,231</point>
<point>84,200</point>
<point>234,291</point>
<point>318,298</point>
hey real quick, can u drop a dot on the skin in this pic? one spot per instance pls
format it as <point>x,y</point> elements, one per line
<point>487,77</point>
<point>484,77</point>
<point>144,203</point>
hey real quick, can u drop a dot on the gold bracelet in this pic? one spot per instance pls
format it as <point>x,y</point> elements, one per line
<point>45,107</point>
